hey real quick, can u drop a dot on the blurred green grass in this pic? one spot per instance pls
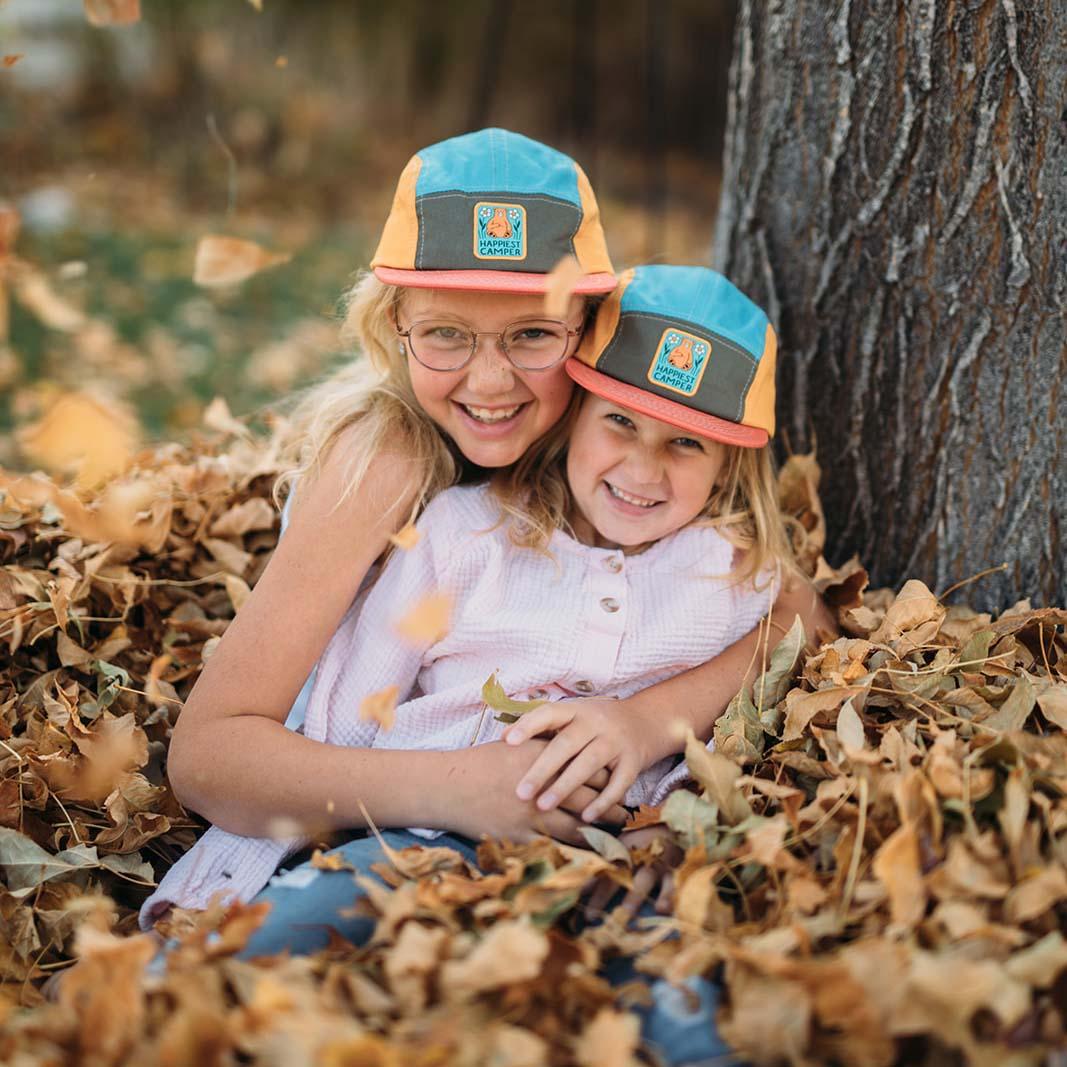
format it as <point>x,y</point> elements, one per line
<point>167,346</point>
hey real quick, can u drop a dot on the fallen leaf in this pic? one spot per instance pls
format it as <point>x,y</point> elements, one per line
<point>850,728</point>
<point>511,952</point>
<point>610,1040</point>
<point>381,707</point>
<point>217,417</point>
<point>897,867</point>
<point>223,261</point>
<point>606,845</point>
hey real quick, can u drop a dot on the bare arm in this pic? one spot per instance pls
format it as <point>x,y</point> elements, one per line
<point>231,757</point>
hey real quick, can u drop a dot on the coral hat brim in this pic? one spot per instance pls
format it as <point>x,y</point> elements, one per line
<point>669,411</point>
<point>489,281</point>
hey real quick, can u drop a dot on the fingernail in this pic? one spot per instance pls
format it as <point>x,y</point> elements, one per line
<point>525,791</point>
<point>548,800</point>
<point>588,815</point>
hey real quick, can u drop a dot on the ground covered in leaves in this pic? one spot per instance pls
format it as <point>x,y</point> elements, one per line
<point>874,863</point>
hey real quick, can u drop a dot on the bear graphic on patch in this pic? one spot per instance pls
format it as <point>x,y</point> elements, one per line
<point>682,355</point>
<point>498,225</point>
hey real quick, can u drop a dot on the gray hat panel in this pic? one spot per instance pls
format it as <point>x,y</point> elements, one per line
<point>447,232</point>
<point>722,390</point>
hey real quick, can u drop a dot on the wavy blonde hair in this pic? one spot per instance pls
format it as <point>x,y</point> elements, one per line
<point>535,499</point>
<point>374,391</point>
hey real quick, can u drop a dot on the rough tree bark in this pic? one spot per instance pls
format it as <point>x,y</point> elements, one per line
<point>895,190</point>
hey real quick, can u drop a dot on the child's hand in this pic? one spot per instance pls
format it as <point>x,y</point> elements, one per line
<point>590,735</point>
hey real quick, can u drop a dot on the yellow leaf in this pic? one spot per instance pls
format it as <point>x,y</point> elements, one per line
<point>507,710</point>
<point>222,261</point>
<point>428,620</point>
<point>82,435</point>
<point>330,861</point>
<point>381,707</point>
<point>560,285</point>
<point>406,538</point>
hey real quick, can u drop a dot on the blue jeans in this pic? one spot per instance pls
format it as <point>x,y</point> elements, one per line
<point>306,902</point>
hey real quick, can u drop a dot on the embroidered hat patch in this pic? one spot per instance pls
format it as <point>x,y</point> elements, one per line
<point>499,230</point>
<point>679,362</point>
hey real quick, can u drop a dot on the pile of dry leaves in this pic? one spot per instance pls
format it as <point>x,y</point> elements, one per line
<point>875,863</point>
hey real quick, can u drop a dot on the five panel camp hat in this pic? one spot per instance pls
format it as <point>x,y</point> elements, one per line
<point>686,346</point>
<point>492,211</point>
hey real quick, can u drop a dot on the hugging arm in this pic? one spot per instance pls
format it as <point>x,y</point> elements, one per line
<point>625,736</point>
<point>231,757</point>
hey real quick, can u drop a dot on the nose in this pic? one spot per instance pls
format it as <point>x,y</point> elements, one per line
<point>490,371</point>
<point>643,464</point>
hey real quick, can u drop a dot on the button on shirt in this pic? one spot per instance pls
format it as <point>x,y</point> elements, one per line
<point>575,621</point>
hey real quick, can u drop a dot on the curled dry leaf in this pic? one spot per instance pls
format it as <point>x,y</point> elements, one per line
<point>223,261</point>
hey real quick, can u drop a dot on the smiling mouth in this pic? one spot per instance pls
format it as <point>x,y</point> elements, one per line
<point>630,498</point>
<point>488,416</point>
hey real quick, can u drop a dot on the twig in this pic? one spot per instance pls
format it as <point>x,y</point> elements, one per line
<point>973,578</point>
<point>857,852</point>
<point>231,160</point>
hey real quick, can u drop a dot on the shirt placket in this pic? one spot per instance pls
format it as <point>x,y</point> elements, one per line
<point>604,617</point>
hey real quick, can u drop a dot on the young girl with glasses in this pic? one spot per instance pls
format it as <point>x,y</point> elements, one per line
<point>637,539</point>
<point>380,439</point>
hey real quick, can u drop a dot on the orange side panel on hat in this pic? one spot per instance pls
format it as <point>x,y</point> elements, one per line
<point>589,245</point>
<point>759,404</point>
<point>400,237</point>
<point>604,325</point>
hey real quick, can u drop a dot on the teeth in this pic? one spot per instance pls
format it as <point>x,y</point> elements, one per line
<point>491,414</point>
<point>638,501</point>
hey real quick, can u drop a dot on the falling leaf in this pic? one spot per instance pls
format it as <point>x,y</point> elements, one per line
<point>10,222</point>
<point>281,62</point>
<point>82,435</point>
<point>257,4</point>
<point>507,709</point>
<point>36,294</point>
<point>112,12</point>
<point>406,538</point>
<point>11,60</point>
<point>381,707</point>
<point>223,261</point>
<point>559,286</point>
<point>428,621</point>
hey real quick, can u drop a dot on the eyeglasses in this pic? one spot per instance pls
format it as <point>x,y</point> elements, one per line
<point>447,344</point>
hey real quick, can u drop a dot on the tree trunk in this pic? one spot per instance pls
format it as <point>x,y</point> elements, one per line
<point>895,192</point>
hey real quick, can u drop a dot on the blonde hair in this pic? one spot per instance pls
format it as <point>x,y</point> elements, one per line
<point>376,392</point>
<point>535,499</point>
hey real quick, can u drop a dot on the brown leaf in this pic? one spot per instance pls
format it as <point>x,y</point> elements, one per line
<point>1034,896</point>
<point>381,707</point>
<point>511,952</point>
<point>428,621</point>
<point>610,1040</point>
<point>329,861</point>
<point>897,867</point>
<point>1053,704</point>
<point>11,59</point>
<point>112,12</point>
<point>223,261</point>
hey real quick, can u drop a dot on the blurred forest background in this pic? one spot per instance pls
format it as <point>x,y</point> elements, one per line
<point>287,123</point>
